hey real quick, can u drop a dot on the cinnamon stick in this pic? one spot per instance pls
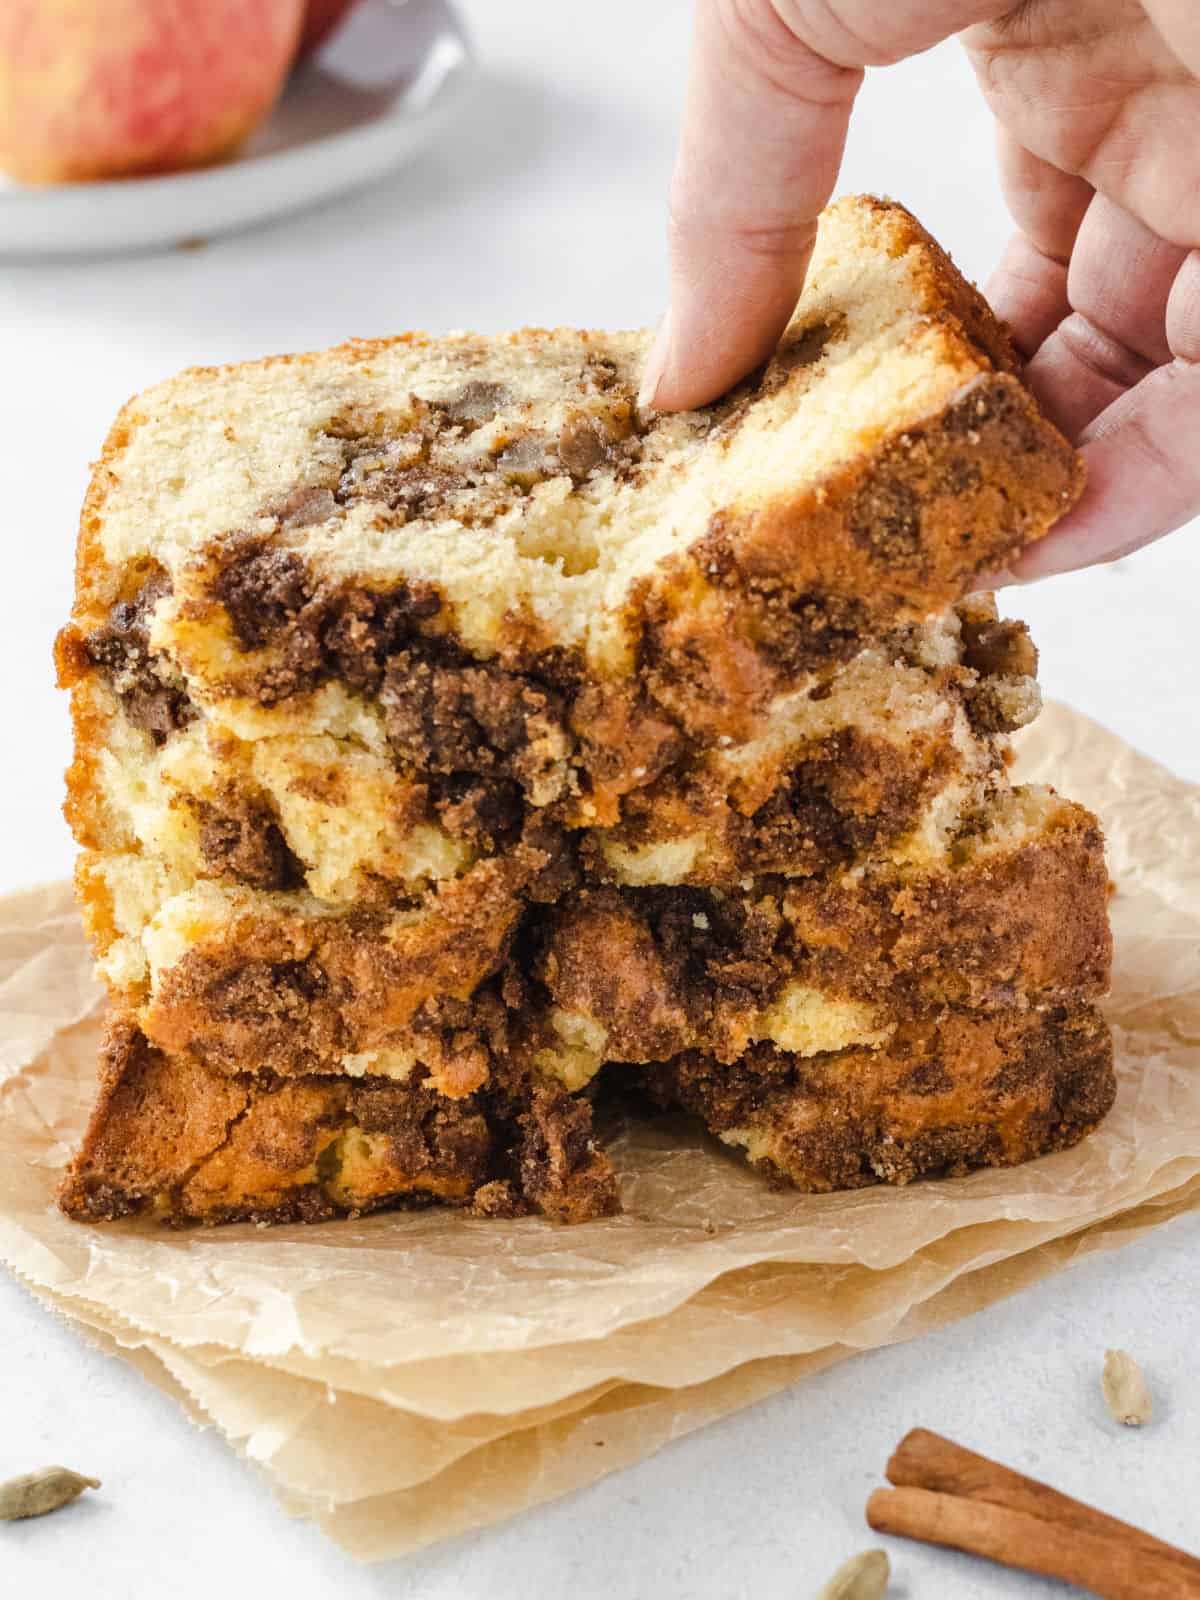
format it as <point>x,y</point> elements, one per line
<point>1111,1568</point>
<point>926,1460</point>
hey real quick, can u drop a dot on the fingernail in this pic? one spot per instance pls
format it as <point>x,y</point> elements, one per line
<point>656,363</point>
<point>1002,578</point>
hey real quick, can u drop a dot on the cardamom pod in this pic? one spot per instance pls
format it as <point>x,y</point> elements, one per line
<point>36,1493</point>
<point>1125,1389</point>
<point>864,1577</point>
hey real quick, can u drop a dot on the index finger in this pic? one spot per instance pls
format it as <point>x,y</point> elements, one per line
<point>769,98</point>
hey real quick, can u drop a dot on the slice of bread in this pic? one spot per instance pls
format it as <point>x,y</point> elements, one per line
<point>886,456</point>
<point>175,1140</point>
<point>880,757</point>
<point>1017,916</point>
<point>944,1095</point>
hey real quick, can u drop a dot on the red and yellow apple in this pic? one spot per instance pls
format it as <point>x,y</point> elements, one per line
<point>111,88</point>
<point>321,17</point>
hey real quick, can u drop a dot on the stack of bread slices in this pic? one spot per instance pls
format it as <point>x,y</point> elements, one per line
<point>457,743</point>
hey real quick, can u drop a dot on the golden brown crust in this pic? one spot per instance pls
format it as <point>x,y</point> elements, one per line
<point>181,1143</point>
<point>294,994</point>
<point>942,1097</point>
<point>1025,923</point>
<point>896,534</point>
<point>663,971</point>
<point>111,1172</point>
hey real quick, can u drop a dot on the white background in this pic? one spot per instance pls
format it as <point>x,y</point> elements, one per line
<point>544,204</point>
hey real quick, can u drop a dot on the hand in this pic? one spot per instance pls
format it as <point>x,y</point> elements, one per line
<point>1097,104</point>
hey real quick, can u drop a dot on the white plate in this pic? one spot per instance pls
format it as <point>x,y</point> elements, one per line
<point>383,84</point>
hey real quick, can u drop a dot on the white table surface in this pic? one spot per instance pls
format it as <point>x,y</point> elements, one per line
<point>544,205</point>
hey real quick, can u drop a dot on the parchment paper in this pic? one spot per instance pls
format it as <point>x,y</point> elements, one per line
<point>305,1430</point>
<point>402,1378</point>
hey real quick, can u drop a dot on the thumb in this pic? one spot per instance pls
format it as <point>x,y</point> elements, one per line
<point>770,91</point>
<point>763,129</point>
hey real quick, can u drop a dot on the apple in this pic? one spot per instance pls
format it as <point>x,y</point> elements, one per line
<point>321,17</point>
<point>112,88</point>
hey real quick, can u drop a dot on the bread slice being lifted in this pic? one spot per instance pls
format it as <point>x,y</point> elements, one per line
<point>387,661</point>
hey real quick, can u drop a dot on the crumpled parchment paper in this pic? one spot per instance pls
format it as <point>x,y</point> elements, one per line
<point>406,1377</point>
